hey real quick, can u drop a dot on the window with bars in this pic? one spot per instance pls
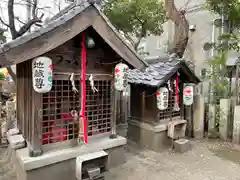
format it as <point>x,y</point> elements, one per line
<point>61,107</point>
<point>98,107</point>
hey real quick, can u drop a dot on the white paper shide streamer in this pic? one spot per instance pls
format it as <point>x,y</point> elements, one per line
<point>94,89</point>
<point>74,89</point>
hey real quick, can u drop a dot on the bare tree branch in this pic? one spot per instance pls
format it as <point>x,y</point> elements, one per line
<point>34,8</point>
<point>59,6</point>
<point>137,43</point>
<point>185,5</point>
<point>129,38</point>
<point>139,19</point>
<point>4,23</point>
<point>19,20</point>
<point>28,25</point>
<point>11,18</point>
<point>38,24</point>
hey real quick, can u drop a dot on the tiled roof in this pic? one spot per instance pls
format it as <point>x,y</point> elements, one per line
<point>159,73</point>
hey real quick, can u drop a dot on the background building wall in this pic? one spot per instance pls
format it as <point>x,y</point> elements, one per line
<point>196,15</point>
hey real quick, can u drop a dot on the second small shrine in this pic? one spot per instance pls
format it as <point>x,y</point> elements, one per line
<point>160,96</point>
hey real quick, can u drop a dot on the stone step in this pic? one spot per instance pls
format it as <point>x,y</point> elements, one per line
<point>181,145</point>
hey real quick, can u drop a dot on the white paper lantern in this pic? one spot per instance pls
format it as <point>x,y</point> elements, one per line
<point>42,74</point>
<point>120,75</point>
<point>188,95</point>
<point>162,98</point>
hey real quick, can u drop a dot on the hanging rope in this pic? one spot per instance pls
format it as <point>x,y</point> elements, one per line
<point>176,106</point>
<point>176,89</point>
<point>83,91</point>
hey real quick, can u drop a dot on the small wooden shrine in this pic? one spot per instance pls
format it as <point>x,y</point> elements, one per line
<point>159,94</point>
<point>65,78</point>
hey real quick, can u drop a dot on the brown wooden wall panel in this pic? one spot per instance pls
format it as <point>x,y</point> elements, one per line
<point>136,102</point>
<point>27,104</point>
<point>28,91</point>
<point>18,82</point>
<point>20,97</point>
<point>36,121</point>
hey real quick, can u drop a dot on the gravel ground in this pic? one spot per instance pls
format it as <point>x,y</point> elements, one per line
<point>6,168</point>
<point>206,161</point>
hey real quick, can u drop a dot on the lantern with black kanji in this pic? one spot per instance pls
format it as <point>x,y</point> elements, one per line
<point>162,98</point>
<point>120,75</point>
<point>42,74</point>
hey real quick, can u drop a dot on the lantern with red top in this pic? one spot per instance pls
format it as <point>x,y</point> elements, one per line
<point>188,95</point>
<point>162,98</point>
<point>120,75</point>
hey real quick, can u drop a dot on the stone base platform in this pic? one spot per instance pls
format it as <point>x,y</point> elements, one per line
<point>61,163</point>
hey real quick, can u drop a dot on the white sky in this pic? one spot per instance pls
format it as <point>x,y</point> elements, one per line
<point>51,7</point>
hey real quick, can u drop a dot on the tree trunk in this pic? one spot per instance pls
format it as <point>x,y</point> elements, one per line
<point>129,38</point>
<point>137,43</point>
<point>134,44</point>
<point>26,27</point>
<point>181,27</point>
